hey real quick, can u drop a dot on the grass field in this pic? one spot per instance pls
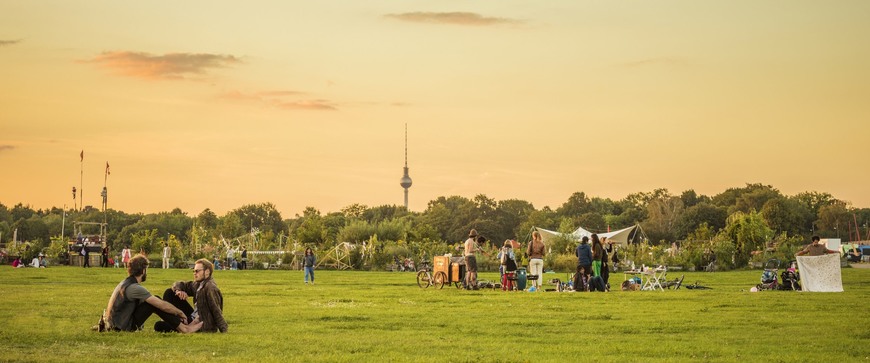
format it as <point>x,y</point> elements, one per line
<point>384,316</point>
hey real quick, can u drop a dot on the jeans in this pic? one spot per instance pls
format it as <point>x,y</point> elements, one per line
<point>536,267</point>
<point>170,322</point>
<point>309,271</point>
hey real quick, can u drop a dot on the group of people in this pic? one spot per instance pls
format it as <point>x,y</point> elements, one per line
<point>37,262</point>
<point>536,250</point>
<point>131,304</point>
<point>593,262</point>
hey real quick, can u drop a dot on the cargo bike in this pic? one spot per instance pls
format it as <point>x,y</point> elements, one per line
<point>445,270</point>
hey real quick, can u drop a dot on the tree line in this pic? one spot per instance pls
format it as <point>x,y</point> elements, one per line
<point>735,223</point>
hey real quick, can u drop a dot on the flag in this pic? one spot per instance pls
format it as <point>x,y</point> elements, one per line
<point>107,169</point>
<point>82,155</point>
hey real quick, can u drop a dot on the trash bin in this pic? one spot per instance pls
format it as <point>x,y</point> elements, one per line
<point>521,278</point>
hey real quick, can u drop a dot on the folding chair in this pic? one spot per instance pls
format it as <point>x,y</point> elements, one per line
<point>654,278</point>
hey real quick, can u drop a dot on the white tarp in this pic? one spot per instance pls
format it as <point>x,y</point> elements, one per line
<point>820,273</point>
<point>622,236</point>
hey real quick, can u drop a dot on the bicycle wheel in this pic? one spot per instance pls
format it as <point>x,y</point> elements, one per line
<point>439,279</point>
<point>424,279</point>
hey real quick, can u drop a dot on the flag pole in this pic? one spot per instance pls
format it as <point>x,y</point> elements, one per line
<point>104,194</point>
<point>82,180</point>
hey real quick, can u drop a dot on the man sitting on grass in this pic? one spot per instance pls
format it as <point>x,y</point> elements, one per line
<point>131,304</point>
<point>206,297</point>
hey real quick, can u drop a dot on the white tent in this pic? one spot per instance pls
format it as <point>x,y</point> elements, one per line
<point>633,234</point>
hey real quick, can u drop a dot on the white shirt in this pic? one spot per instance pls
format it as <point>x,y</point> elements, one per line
<point>166,252</point>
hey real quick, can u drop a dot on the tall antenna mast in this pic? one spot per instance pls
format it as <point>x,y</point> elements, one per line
<point>405,182</point>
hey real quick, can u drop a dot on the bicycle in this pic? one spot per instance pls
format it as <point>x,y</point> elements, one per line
<point>426,279</point>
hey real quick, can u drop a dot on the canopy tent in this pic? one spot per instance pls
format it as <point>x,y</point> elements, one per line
<point>633,234</point>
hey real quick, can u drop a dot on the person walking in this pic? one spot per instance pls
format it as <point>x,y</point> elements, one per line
<point>308,262</point>
<point>536,252</point>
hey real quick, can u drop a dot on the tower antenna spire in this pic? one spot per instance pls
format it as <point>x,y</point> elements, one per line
<point>405,182</point>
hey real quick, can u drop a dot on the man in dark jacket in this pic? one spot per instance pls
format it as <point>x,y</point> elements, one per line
<point>131,304</point>
<point>207,299</point>
<point>584,263</point>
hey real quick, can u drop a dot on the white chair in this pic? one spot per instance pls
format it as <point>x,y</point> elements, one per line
<point>654,278</point>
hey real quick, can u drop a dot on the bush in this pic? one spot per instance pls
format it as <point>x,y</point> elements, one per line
<point>562,262</point>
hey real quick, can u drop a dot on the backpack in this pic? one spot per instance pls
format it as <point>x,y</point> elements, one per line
<point>506,261</point>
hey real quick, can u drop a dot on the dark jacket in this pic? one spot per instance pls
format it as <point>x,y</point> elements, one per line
<point>584,254</point>
<point>209,303</point>
<point>309,260</point>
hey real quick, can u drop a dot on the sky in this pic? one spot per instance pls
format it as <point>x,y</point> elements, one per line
<point>218,104</point>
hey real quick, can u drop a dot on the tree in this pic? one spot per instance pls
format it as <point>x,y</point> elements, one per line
<point>510,214</point>
<point>786,215</point>
<point>354,211</point>
<point>577,204</point>
<point>702,213</point>
<point>663,212</point>
<point>832,218</point>
<point>207,219</point>
<point>263,216</point>
<point>311,229</point>
<point>749,232</point>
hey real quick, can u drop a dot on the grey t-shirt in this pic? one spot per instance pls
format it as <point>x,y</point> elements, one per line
<point>120,309</point>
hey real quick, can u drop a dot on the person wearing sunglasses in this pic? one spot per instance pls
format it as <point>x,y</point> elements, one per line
<point>208,302</point>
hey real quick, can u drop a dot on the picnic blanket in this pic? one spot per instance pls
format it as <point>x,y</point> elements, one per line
<point>820,273</point>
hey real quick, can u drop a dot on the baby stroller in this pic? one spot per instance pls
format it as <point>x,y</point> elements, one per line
<point>790,278</point>
<point>769,279</point>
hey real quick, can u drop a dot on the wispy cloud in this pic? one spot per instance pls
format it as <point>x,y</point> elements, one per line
<point>4,43</point>
<point>4,148</point>
<point>167,66</point>
<point>306,105</point>
<point>285,100</point>
<point>453,18</point>
<point>668,61</point>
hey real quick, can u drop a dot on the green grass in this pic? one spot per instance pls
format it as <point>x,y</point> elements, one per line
<point>384,316</point>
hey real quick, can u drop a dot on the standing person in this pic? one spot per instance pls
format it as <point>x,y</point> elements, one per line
<point>230,258</point>
<point>815,248</point>
<point>126,254</point>
<point>536,252</point>
<point>584,264</point>
<point>308,262</point>
<point>597,252</point>
<point>167,252</point>
<point>87,255</point>
<point>508,266</point>
<point>207,300</point>
<point>605,262</point>
<point>470,247</point>
<point>244,264</point>
<point>131,304</point>
<point>105,256</point>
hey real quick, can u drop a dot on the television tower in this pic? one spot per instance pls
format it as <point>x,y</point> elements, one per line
<point>406,180</point>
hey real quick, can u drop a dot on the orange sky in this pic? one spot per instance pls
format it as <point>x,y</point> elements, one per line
<point>217,104</point>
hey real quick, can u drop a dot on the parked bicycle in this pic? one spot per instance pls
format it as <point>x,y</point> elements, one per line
<point>425,278</point>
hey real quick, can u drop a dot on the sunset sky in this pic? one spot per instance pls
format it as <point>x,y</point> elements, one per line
<point>218,104</point>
